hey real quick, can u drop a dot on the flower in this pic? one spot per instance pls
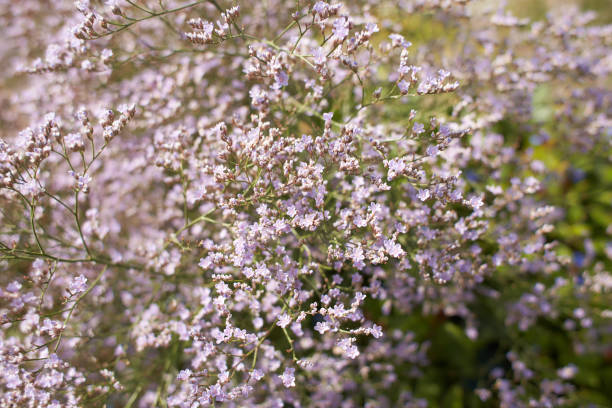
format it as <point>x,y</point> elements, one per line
<point>288,377</point>
<point>396,167</point>
<point>341,29</point>
<point>74,142</point>
<point>322,327</point>
<point>418,128</point>
<point>398,40</point>
<point>184,375</point>
<point>78,285</point>
<point>284,320</point>
<point>348,349</point>
<point>424,194</point>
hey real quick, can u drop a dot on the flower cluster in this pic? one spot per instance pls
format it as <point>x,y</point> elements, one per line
<point>294,205</point>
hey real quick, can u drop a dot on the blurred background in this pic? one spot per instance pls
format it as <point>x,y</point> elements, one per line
<point>580,185</point>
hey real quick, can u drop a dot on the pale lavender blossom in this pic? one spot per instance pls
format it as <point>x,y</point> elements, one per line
<point>78,284</point>
<point>288,377</point>
<point>284,320</point>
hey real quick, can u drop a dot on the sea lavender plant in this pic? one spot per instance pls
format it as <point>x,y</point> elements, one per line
<point>301,203</point>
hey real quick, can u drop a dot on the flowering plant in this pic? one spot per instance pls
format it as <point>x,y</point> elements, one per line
<point>288,203</point>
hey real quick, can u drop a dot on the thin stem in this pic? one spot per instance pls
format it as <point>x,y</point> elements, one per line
<point>150,16</point>
<point>71,311</point>
<point>78,222</point>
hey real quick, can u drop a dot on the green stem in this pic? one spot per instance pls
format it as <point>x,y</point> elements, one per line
<point>76,302</point>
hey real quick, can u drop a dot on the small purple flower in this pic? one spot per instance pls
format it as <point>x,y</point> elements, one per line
<point>78,285</point>
<point>424,194</point>
<point>284,320</point>
<point>288,377</point>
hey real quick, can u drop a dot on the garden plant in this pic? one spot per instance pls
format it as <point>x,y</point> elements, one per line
<point>285,203</point>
